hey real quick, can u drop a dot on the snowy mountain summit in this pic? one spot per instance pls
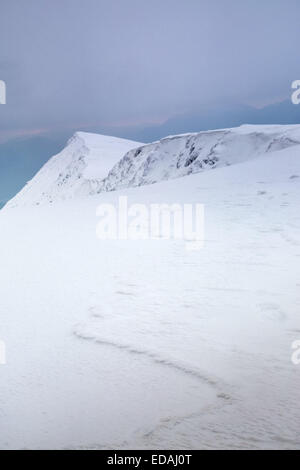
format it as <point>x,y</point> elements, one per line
<point>93,163</point>
<point>221,321</point>
<point>77,170</point>
<point>182,155</point>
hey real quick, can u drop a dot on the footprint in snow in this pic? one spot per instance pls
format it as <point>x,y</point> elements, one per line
<point>95,312</point>
<point>123,292</point>
<point>272,311</point>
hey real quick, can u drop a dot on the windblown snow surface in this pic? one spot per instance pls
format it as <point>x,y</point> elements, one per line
<point>146,344</point>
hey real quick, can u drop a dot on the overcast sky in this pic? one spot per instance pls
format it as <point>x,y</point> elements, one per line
<point>86,63</point>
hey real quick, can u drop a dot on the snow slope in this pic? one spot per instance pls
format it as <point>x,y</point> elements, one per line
<point>93,163</point>
<point>76,171</point>
<point>145,344</point>
<point>182,155</point>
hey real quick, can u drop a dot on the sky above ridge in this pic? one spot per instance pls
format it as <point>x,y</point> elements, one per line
<point>86,64</point>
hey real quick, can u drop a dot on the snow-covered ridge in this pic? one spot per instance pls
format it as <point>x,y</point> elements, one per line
<point>77,170</point>
<point>93,163</point>
<point>181,155</point>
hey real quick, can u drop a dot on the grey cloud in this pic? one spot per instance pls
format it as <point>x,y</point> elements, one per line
<point>76,63</point>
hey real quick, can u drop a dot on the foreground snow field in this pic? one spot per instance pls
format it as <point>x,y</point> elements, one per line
<point>145,344</point>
